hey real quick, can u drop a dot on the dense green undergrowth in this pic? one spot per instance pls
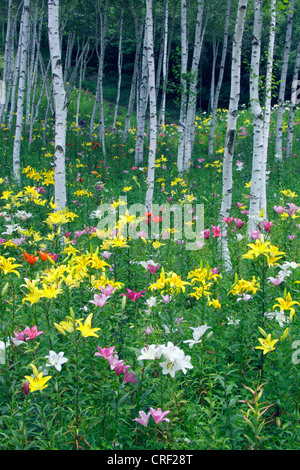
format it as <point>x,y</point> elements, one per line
<point>180,351</point>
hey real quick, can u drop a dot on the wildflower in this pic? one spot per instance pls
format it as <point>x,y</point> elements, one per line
<point>56,360</point>
<point>153,268</point>
<point>267,226</point>
<point>215,303</point>
<point>7,265</point>
<point>286,303</point>
<point>37,381</point>
<point>105,352</point>
<point>32,332</point>
<point>26,387</point>
<point>159,415</point>
<point>31,259</point>
<point>216,231</point>
<point>206,233</point>
<point>257,248</point>
<point>86,329</point>
<point>276,281</point>
<point>129,377</point>
<point>100,300</point>
<point>267,344</point>
<point>239,223</point>
<point>132,295</point>
<point>279,209</point>
<point>144,418</point>
<point>150,353</point>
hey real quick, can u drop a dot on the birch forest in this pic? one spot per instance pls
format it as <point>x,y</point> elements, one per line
<point>149,227</point>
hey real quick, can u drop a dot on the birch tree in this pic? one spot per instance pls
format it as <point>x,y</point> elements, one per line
<point>142,102</point>
<point>7,52</point>
<point>24,32</point>
<point>152,105</point>
<point>231,126</point>
<point>267,111</point>
<point>258,120</point>
<point>60,105</point>
<point>138,44</point>
<point>189,129</point>
<point>216,94</point>
<point>294,100</point>
<point>281,96</point>
<point>183,84</point>
<point>120,61</point>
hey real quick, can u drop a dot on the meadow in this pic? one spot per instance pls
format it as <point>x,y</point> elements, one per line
<point>135,344</point>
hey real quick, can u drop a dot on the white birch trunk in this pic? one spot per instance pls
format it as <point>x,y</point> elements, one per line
<point>183,82</point>
<point>99,91</point>
<point>142,102</point>
<point>219,84</point>
<point>138,39</point>
<point>120,60</point>
<point>152,102</point>
<point>8,45</point>
<point>21,91</point>
<point>15,80</point>
<point>267,111</point>
<point>231,127</point>
<point>192,92</point>
<point>162,113</point>
<point>293,105</point>
<point>258,120</point>
<point>60,104</point>
<point>281,96</point>
<point>83,59</point>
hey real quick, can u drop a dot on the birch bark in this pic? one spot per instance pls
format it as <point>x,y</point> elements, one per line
<point>152,104</point>
<point>231,127</point>
<point>183,82</point>
<point>142,102</point>
<point>258,120</point>
<point>60,104</point>
<point>267,111</point>
<point>189,129</point>
<point>281,96</point>
<point>219,84</point>
<point>294,92</point>
<point>24,27</point>
<point>120,60</point>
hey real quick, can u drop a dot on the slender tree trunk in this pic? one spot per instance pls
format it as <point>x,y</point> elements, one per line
<point>293,105</point>
<point>138,38</point>
<point>267,111</point>
<point>152,103</point>
<point>219,84</point>
<point>8,45</point>
<point>231,126</point>
<point>120,60</point>
<point>258,120</point>
<point>24,31</point>
<point>281,96</point>
<point>83,59</point>
<point>161,120</point>
<point>99,91</point>
<point>15,80</point>
<point>192,92</point>
<point>60,104</point>
<point>142,101</point>
<point>183,82</point>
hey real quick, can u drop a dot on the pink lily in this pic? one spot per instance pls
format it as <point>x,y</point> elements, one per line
<point>32,332</point>
<point>159,415</point>
<point>153,268</point>
<point>132,295</point>
<point>144,418</point>
<point>99,300</point>
<point>129,377</point>
<point>239,223</point>
<point>105,352</point>
<point>216,231</point>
